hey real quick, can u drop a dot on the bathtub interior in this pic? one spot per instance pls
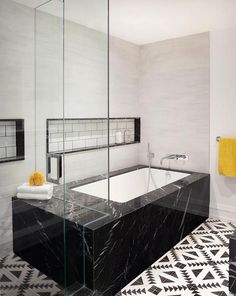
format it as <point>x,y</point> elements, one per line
<point>127,186</point>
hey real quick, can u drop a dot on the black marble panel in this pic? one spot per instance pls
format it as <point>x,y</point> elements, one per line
<point>107,243</point>
<point>49,242</point>
<point>232,264</point>
<point>125,247</point>
<point>38,238</point>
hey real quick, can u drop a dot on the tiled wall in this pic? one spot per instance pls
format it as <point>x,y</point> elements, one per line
<point>7,139</point>
<point>86,134</point>
<point>17,88</point>
<point>174,101</point>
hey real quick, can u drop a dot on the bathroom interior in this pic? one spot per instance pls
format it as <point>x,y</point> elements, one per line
<point>117,147</point>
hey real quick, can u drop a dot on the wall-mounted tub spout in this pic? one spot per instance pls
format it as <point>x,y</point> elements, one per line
<point>174,156</point>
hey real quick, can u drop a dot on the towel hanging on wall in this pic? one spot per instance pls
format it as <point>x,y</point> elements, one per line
<point>227,157</point>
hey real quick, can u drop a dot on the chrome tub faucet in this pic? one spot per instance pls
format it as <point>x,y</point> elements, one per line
<point>173,156</point>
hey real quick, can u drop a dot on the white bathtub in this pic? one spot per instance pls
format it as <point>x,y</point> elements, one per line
<point>130,185</point>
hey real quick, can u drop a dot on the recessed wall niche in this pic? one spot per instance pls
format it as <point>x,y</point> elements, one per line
<point>90,133</point>
<point>12,147</point>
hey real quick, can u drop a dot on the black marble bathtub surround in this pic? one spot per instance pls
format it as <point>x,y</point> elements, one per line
<point>108,243</point>
<point>232,263</point>
<point>115,209</point>
<point>124,247</point>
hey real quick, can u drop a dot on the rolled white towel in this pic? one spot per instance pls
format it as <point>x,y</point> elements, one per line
<point>43,189</point>
<point>35,196</point>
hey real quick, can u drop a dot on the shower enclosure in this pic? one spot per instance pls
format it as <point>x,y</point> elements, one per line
<point>56,121</point>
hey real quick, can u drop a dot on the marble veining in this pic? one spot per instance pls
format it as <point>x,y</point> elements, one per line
<point>100,234</point>
<point>110,210</point>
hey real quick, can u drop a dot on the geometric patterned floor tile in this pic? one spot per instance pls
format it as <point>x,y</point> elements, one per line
<point>197,266</point>
<point>19,278</point>
<point>10,287</point>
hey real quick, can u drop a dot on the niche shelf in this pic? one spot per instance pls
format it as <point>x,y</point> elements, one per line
<point>12,147</point>
<point>83,134</point>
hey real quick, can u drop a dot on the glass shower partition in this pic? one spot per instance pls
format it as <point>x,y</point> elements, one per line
<point>54,120</point>
<point>72,138</point>
<point>86,125</point>
<point>49,140</point>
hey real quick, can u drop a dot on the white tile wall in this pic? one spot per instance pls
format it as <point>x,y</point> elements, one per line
<point>175,101</point>
<point>223,119</point>
<point>2,131</point>
<point>84,134</point>
<point>11,151</point>
<point>85,93</point>
<point>2,152</point>
<point>85,90</point>
<point>16,87</point>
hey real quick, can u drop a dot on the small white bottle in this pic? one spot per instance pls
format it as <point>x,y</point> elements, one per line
<point>119,137</point>
<point>127,136</point>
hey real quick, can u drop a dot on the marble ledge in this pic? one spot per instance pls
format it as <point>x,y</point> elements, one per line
<point>93,212</point>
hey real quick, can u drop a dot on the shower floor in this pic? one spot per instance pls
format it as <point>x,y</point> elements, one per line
<point>197,266</point>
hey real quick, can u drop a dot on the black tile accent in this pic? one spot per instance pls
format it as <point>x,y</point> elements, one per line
<point>137,127</point>
<point>20,141</point>
<point>135,133</point>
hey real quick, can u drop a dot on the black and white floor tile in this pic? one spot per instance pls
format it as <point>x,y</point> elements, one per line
<point>18,278</point>
<point>197,266</point>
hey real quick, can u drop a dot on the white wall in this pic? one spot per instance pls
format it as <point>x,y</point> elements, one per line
<point>174,101</point>
<point>223,118</point>
<point>86,91</point>
<point>16,86</point>
<point>85,88</point>
<point>86,75</point>
<point>124,95</point>
<point>173,90</point>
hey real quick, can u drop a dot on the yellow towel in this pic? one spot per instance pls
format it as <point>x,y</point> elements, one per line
<point>227,157</point>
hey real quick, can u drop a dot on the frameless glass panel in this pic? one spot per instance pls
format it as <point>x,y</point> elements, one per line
<point>86,91</point>
<point>72,108</point>
<point>31,220</point>
<point>86,156</point>
<point>53,121</point>
<point>49,103</point>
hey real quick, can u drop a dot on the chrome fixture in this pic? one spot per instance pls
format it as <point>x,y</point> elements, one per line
<point>173,156</point>
<point>150,154</point>
<point>54,168</point>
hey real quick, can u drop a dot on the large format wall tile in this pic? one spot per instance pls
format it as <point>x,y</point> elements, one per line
<point>175,100</point>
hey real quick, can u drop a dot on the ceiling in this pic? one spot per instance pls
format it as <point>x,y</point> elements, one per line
<point>146,21</point>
